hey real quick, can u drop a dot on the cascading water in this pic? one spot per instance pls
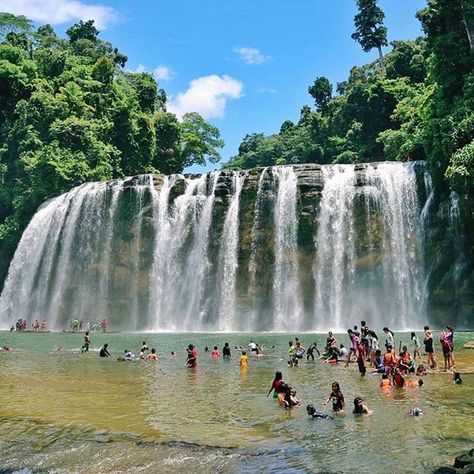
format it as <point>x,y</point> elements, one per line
<point>224,251</point>
<point>286,288</point>
<point>228,259</point>
<point>334,262</point>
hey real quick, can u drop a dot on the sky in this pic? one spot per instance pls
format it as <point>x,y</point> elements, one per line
<point>244,65</point>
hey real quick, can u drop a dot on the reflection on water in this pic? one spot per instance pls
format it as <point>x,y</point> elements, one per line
<point>72,412</point>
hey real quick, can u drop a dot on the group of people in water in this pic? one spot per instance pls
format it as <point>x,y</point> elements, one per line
<point>394,367</point>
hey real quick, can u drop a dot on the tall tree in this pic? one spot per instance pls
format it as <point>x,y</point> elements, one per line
<point>370,32</point>
<point>321,92</point>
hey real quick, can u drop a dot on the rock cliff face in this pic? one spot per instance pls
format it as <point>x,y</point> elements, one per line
<point>306,247</point>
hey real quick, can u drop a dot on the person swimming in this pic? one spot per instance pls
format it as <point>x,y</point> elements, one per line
<point>416,412</point>
<point>360,408</point>
<point>457,378</point>
<point>316,414</point>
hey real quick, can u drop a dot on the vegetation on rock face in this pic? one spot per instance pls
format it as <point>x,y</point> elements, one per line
<point>419,105</point>
<point>70,113</point>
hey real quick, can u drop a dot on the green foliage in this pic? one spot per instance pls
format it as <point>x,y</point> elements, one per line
<point>460,172</point>
<point>420,106</point>
<point>321,92</point>
<point>70,114</point>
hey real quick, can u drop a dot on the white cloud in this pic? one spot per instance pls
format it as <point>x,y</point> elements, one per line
<point>60,11</point>
<point>163,73</point>
<point>252,55</point>
<point>140,68</point>
<point>266,90</point>
<point>207,95</point>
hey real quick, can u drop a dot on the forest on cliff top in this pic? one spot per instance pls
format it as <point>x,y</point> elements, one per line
<point>71,113</point>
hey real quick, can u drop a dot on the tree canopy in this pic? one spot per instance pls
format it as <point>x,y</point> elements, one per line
<point>70,113</point>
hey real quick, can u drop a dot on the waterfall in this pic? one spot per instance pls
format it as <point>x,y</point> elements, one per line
<point>231,251</point>
<point>229,259</point>
<point>287,295</point>
<point>334,262</point>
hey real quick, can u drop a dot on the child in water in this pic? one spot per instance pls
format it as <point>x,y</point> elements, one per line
<point>457,378</point>
<point>215,353</point>
<point>276,384</point>
<point>360,408</point>
<point>337,398</point>
<point>243,359</point>
<point>315,414</point>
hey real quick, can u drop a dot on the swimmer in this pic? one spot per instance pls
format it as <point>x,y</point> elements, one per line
<point>315,414</point>
<point>416,412</point>
<point>215,353</point>
<point>457,378</point>
<point>173,353</point>
<point>414,383</point>
<point>421,370</point>
<point>152,355</point>
<point>337,398</point>
<point>360,408</point>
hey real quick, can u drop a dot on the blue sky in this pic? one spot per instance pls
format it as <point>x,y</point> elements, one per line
<point>244,65</point>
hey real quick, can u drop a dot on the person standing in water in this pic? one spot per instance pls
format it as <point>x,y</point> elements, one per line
<point>429,347</point>
<point>191,360</point>
<point>337,398</point>
<point>415,342</point>
<point>152,355</point>
<point>276,384</point>
<point>87,342</point>
<point>226,351</point>
<point>243,359</point>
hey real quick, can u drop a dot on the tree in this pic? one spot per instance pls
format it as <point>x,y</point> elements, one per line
<point>370,32</point>
<point>321,92</point>
<point>10,23</point>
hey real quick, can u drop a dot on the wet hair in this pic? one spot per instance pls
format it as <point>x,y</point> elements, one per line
<point>153,351</point>
<point>106,345</point>
<point>190,347</point>
<point>457,376</point>
<point>384,376</point>
<point>278,375</point>
<point>290,343</point>
<point>420,382</point>
<point>341,346</point>
<point>310,410</point>
<point>355,327</point>
<point>215,348</point>
<point>372,333</point>
<point>244,353</point>
<point>336,386</point>
<point>404,348</point>
<point>412,334</point>
<point>426,327</point>
<point>362,323</point>
<point>226,344</point>
<point>378,352</point>
<point>144,342</point>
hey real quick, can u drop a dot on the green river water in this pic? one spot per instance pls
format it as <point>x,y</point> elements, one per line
<point>63,411</point>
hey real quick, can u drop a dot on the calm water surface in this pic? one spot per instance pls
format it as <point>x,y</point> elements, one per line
<point>63,411</point>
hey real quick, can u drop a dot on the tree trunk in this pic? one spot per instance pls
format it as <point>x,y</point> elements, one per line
<point>381,61</point>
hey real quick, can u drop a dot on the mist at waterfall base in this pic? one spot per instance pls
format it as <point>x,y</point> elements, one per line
<point>289,248</point>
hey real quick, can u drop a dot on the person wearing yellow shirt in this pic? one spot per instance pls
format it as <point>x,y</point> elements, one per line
<point>243,359</point>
